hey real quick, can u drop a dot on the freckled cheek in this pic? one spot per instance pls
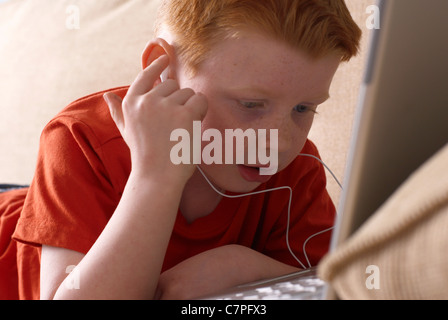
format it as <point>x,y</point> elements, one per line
<point>297,135</point>
<point>304,129</point>
<point>306,126</point>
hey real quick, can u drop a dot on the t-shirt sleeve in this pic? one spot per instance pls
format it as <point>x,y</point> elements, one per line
<point>71,198</point>
<point>311,216</point>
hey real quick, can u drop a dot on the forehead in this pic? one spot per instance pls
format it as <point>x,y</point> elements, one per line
<point>257,60</point>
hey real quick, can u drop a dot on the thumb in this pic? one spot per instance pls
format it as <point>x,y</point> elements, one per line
<point>115,108</point>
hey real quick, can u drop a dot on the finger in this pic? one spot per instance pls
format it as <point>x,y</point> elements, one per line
<point>147,78</point>
<point>115,108</point>
<point>198,104</point>
<point>165,89</point>
<point>180,97</point>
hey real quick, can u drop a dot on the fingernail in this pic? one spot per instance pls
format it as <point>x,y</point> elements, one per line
<point>109,96</point>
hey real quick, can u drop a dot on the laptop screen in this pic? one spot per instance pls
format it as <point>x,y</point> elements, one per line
<point>402,116</point>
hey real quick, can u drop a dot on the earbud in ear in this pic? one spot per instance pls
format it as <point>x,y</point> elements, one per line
<point>164,75</point>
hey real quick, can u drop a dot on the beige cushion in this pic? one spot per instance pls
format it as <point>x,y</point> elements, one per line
<point>406,240</point>
<point>46,62</point>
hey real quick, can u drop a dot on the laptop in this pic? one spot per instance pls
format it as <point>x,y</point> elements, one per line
<point>401,121</point>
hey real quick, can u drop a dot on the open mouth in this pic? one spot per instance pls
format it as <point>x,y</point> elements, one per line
<point>252,174</point>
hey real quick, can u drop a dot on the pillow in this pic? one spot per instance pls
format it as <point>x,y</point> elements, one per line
<point>401,252</point>
<point>54,52</point>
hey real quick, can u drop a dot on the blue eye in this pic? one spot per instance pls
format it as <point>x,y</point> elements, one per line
<point>300,108</point>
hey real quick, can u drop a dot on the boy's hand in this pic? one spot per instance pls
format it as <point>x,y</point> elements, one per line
<point>148,115</point>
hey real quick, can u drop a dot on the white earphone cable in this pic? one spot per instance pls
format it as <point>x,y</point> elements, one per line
<point>289,208</point>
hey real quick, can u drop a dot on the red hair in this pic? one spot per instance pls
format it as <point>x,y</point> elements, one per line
<point>318,27</point>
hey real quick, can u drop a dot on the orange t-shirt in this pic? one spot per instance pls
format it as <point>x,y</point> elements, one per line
<point>82,169</point>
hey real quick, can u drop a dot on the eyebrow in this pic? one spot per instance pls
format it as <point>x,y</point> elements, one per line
<point>266,92</point>
<point>255,89</point>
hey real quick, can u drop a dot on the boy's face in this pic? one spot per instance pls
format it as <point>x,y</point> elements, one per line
<point>255,82</point>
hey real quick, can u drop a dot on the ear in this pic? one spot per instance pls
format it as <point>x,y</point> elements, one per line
<point>156,48</point>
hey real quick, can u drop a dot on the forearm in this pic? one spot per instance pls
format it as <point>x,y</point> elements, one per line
<point>247,265</point>
<point>126,260</point>
<point>218,269</point>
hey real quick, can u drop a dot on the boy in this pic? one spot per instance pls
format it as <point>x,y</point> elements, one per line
<point>107,198</point>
